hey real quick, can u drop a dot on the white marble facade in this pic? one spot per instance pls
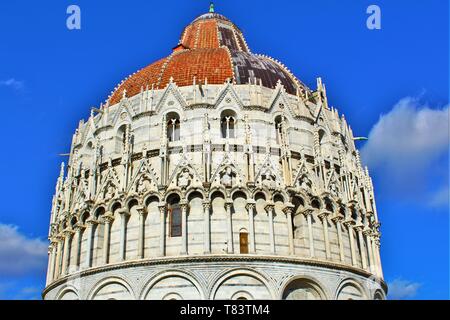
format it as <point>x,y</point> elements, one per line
<point>235,192</point>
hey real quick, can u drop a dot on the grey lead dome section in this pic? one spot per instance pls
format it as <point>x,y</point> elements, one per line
<point>250,68</point>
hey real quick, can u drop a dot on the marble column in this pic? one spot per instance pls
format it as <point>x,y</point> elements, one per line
<point>251,225</point>
<point>124,214</point>
<point>367,233</point>
<point>269,208</point>
<point>59,248</point>
<point>141,240</point>
<point>66,253</point>
<point>288,211</point>
<point>49,264</point>
<point>184,229</point>
<point>108,218</point>
<point>52,260</point>
<point>337,220</point>
<point>90,234</point>
<point>230,246</point>
<point>377,255</point>
<point>207,227</point>
<point>77,244</point>
<point>308,214</point>
<point>349,224</point>
<point>162,229</point>
<point>362,247</point>
<point>375,259</point>
<point>324,217</point>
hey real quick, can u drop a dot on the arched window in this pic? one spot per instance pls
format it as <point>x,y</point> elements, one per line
<point>175,217</point>
<point>281,129</point>
<point>228,124</point>
<point>243,241</point>
<point>321,136</point>
<point>329,205</point>
<point>315,204</point>
<point>278,130</point>
<point>173,127</point>
<point>121,137</point>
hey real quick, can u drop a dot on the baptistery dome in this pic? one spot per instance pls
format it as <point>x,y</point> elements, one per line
<point>211,50</point>
<point>214,173</point>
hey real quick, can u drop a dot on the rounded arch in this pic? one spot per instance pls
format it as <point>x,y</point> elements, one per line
<point>258,192</point>
<point>110,281</point>
<point>217,192</point>
<point>123,122</point>
<point>242,295</point>
<point>194,193</point>
<point>228,121</point>
<point>172,296</point>
<point>343,211</point>
<point>173,196</point>
<point>73,222</point>
<point>239,192</point>
<point>287,116</point>
<point>307,286</point>
<point>228,274</point>
<point>114,206</point>
<point>84,217</point>
<point>350,289</point>
<point>174,110</point>
<point>89,148</point>
<point>316,203</point>
<point>329,204</point>
<point>298,199</point>
<point>68,293</point>
<point>281,125</point>
<point>379,295</point>
<point>99,211</point>
<point>280,194</point>
<point>131,202</point>
<point>120,136</point>
<point>168,274</point>
<point>229,108</point>
<point>173,125</point>
<point>151,197</point>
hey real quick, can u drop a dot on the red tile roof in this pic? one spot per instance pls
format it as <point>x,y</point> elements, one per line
<point>211,48</point>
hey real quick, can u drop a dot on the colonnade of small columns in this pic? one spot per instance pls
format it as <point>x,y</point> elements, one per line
<point>61,264</point>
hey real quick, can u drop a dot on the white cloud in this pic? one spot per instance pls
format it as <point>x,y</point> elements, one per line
<point>400,289</point>
<point>14,290</point>
<point>441,197</point>
<point>12,83</point>
<point>20,255</point>
<point>406,148</point>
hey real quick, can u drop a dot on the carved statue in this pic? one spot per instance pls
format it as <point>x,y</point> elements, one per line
<point>110,191</point>
<point>305,183</point>
<point>334,189</point>
<point>227,177</point>
<point>269,180</point>
<point>184,179</point>
<point>143,185</point>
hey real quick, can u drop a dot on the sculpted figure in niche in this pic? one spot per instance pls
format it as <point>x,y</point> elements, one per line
<point>268,179</point>
<point>143,185</point>
<point>227,177</point>
<point>334,189</point>
<point>184,179</point>
<point>305,183</point>
<point>110,191</point>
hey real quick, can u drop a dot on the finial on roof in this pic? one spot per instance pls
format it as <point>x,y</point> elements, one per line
<point>211,7</point>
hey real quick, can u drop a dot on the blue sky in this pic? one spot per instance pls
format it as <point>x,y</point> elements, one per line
<point>392,85</point>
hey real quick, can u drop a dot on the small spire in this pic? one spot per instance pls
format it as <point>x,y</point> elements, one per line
<point>211,7</point>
